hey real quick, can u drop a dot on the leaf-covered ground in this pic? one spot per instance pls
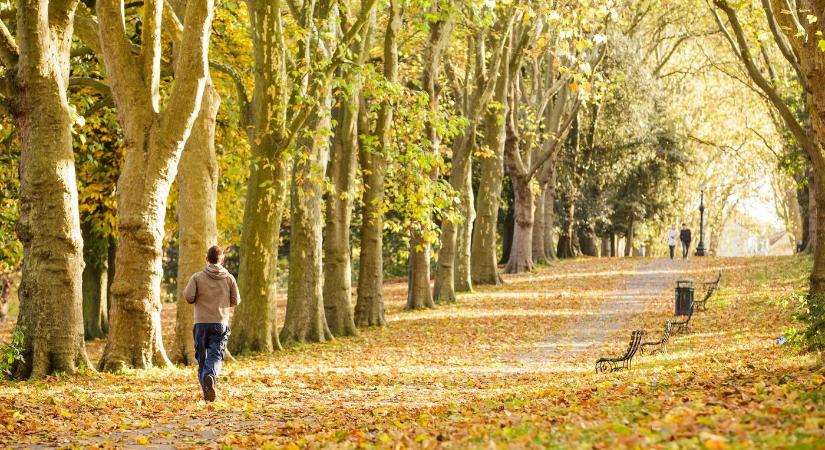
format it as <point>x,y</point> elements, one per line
<point>502,367</point>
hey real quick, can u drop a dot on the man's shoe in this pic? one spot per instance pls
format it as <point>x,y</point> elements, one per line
<point>209,388</point>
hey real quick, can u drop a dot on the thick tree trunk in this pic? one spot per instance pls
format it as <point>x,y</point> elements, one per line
<point>254,327</point>
<point>813,217</point>
<point>484,264</point>
<point>51,301</point>
<point>463,258</point>
<point>549,221</point>
<point>95,284</point>
<point>342,168</point>
<point>305,317</point>
<point>154,139</point>
<point>507,234</point>
<point>587,241</point>
<point>197,215</point>
<point>614,252</point>
<point>605,247</point>
<point>135,339</point>
<point>418,286</point>
<point>521,253</point>
<point>419,295</point>
<point>369,307</point>
<point>539,250</point>
<point>445,286</point>
<point>628,243</point>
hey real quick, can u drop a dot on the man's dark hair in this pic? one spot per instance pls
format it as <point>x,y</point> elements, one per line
<point>683,224</point>
<point>213,255</point>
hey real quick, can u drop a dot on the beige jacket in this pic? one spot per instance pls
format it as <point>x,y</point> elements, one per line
<point>213,291</point>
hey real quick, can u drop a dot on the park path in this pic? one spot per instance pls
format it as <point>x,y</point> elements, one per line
<point>651,279</point>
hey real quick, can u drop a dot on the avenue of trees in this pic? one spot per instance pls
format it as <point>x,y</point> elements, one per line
<point>330,144</point>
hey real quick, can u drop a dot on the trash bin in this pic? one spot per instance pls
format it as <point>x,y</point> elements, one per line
<point>684,296</point>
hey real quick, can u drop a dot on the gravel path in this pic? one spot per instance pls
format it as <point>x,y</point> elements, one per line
<point>653,278</point>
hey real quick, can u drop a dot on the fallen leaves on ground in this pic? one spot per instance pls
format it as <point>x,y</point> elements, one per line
<point>495,369</point>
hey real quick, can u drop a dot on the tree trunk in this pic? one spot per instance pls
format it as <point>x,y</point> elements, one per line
<point>521,253</point>
<point>305,319</point>
<point>154,139</point>
<point>463,258</point>
<point>95,284</point>
<point>342,169</point>
<point>587,241</point>
<point>197,215</point>
<point>549,221</point>
<point>254,327</point>
<point>51,301</point>
<point>613,246</point>
<point>628,244</point>
<point>539,251</point>
<point>337,263</point>
<point>418,287</point>
<point>369,307</point>
<point>813,216</point>
<point>507,235</point>
<point>605,247</point>
<point>135,339</point>
<point>484,264</point>
<point>444,289</point>
<point>419,295</point>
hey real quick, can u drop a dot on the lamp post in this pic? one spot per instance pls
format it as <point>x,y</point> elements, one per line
<point>700,249</point>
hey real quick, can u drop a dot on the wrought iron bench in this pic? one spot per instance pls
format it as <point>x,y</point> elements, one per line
<point>661,344</point>
<point>682,325</point>
<point>623,362</point>
<point>710,287</point>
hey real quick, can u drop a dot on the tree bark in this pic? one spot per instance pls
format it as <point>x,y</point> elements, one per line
<point>369,307</point>
<point>550,217</point>
<point>605,251</point>
<point>154,141</point>
<point>419,295</point>
<point>254,327</point>
<point>521,252</point>
<point>337,256</point>
<point>197,215</point>
<point>484,264</point>
<point>463,257</point>
<point>539,252</point>
<point>587,241</point>
<point>445,286</point>
<point>418,283</point>
<point>342,169</point>
<point>507,234</point>
<point>51,301</point>
<point>95,284</point>
<point>628,244</point>
<point>305,319</point>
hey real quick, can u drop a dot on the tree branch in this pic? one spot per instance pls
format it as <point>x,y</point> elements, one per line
<point>191,71</point>
<point>804,139</point>
<point>9,53</point>
<point>122,68</point>
<point>150,49</point>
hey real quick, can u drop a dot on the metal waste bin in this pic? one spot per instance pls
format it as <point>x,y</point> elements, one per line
<point>684,296</point>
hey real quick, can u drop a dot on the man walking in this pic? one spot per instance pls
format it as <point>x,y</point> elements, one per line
<point>213,291</point>
<point>672,235</point>
<point>684,236</point>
